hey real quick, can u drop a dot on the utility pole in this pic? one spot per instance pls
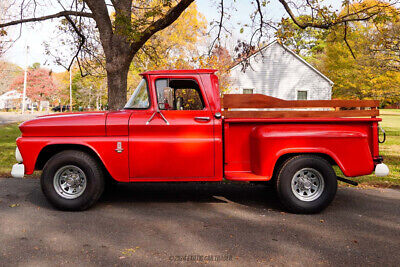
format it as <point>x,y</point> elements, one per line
<point>25,79</point>
<point>70,89</point>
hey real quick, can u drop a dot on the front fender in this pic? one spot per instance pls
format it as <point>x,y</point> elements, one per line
<point>347,147</point>
<point>104,147</point>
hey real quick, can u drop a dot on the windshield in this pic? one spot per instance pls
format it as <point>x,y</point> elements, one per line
<point>140,97</point>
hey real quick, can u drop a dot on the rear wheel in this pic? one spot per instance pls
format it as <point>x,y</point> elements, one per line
<point>306,184</point>
<point>72,180</point>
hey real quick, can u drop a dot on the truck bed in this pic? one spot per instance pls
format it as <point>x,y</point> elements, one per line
<point>256,141</point>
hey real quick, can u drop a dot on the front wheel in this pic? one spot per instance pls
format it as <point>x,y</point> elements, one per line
<point>306,184</point>
<point>72,180</point>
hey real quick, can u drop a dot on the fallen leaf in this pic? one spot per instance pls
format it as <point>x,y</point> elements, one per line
<point>129,251</point>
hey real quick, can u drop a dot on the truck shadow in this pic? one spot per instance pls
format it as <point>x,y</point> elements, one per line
<point>261,196</point>
<point>246,194</point>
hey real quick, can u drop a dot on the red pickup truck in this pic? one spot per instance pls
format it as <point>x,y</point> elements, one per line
<point>175,128</point>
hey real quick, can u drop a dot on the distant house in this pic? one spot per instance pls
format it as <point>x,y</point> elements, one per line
<point>12,100</point>
<point>277,71</point>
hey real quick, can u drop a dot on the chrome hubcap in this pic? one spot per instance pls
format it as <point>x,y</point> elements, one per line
<point>69,182</point>
<point>307,184</point>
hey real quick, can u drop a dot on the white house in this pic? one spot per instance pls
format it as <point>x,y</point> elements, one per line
<point>12,99</point>
<point>277,71</point>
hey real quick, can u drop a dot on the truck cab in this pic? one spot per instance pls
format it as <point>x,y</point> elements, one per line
<point>173,125</point>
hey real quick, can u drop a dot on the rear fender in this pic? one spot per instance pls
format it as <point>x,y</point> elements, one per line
<point>348,148</point>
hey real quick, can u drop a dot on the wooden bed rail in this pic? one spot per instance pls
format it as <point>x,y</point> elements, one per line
<point>364,108</point>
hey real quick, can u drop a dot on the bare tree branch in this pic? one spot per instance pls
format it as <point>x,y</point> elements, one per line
<point>261,16</point>
<point>347,43</point>
<point>328,24</point>
<point>82,42</point>
<point>53,16</point>
<point>220,26</point>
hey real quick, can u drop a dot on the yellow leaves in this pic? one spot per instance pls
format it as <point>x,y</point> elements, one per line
<point>369,75</point>
<point>379,11</point>
<point>172,47</point>
<point>129,251</point>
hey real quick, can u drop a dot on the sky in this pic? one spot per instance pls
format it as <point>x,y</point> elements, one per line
<point>34,35</point>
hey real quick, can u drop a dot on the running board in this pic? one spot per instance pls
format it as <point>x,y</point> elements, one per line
<point>346,180</point>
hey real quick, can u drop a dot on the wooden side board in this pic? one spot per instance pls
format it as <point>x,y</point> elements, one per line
<point>263,101</point>
<point>301,114</point>
<point>366,108</point>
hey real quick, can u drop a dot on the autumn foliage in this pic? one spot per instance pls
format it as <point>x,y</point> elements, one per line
<point>40,85</point>
<point>361,58</point>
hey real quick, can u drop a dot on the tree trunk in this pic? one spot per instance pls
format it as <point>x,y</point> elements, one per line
<point>117,82</point>
<point>119,48</point>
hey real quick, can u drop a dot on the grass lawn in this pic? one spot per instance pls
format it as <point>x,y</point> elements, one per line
<point>8,134</point>
<point>390,150</point>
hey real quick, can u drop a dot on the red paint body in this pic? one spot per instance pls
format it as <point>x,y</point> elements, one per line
<point>191,150</point>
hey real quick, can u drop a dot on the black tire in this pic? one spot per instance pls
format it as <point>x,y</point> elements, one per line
<point>296,166</point>
<point>94,180</point>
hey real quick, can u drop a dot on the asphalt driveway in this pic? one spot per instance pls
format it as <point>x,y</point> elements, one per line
<point>228,224</point>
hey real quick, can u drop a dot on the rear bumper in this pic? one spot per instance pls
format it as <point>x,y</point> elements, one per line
<point>381,170</point>
<point>18,170</point>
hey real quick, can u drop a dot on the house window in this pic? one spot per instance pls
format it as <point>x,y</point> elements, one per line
<point>302,95</point>
<point>248,91</point>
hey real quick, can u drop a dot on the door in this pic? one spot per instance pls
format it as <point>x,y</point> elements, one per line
<point>174,139</point>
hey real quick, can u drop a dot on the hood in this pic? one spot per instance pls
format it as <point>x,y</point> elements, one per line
<point>66,124</point>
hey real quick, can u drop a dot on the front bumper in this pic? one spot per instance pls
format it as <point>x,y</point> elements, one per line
<point>18,170</point>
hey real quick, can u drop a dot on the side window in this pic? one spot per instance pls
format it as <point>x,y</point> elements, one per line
<point>179,94</point>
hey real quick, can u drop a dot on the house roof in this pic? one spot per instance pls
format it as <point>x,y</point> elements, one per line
<point>291,52</point>
<point>11,95</point>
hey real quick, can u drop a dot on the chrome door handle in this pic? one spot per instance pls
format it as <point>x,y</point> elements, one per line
<point>202,118</point>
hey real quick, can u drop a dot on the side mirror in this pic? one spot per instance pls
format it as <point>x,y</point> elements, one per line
<point>167,99</point>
